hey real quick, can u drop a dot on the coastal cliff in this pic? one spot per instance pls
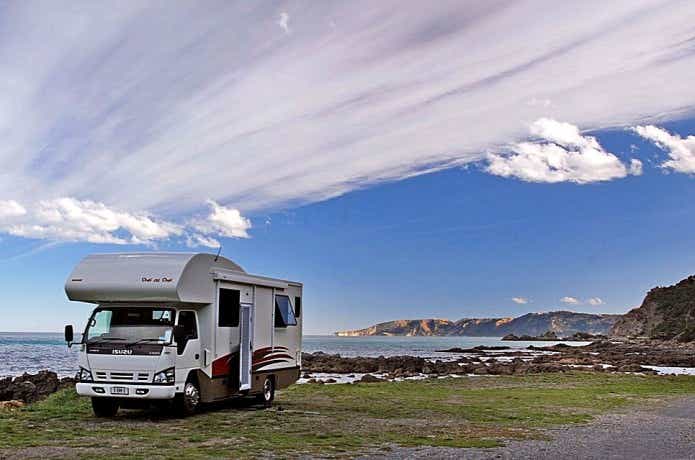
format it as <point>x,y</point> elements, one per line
<point>561,322</point>
<point>666,313</point>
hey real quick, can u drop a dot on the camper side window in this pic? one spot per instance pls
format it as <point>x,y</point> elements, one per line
<point>284,314</point>
<point>297,307</point>
<point>230,303</point>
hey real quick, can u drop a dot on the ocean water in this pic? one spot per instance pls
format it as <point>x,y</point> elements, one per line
<point>31,352</point>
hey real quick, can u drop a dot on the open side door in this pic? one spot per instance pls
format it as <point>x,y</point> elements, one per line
<point>245,345</point>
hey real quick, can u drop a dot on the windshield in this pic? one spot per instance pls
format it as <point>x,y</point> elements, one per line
<point>131,324</point>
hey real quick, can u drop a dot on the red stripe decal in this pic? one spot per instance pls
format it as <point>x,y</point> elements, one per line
<point>274,361</point>
<point>273,356</point>
<point>222,365</point>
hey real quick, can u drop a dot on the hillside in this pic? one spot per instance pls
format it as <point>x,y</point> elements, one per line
<point>563,323</point>
<point>665,313</point>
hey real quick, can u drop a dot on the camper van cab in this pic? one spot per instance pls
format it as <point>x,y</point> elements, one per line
<point>190,328</point>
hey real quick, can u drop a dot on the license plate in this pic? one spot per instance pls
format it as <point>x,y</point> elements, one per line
<point>119,390</point>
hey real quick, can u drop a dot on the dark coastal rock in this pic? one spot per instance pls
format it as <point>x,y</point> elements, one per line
<point>369,378</point>
<point>585,337</point>
<point>24,391</point>
<point>549,335</point>
<point>30,388</point>
<point>5,392</point>
<point>478,349</point>
<point>326,363</point>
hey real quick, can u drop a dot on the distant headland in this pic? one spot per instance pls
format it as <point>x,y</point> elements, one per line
<point>562,323</point>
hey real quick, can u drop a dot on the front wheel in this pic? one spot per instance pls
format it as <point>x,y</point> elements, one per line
<point>104,407</point>
<point>188,403</point>
<point>266,398</point>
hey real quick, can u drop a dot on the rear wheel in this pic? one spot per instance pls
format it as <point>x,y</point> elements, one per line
<point>266,398</point>
<point>104,407</point>
<point>188,403</point>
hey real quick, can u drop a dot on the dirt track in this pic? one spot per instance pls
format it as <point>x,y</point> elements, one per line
<point>661,431</point>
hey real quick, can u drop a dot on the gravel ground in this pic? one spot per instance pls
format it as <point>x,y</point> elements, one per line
<point>664,432</point>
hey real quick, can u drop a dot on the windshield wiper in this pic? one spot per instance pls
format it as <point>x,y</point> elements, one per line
<point>147,339</point>
<point>103,339</point>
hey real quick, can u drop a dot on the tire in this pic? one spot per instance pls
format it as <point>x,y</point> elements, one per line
<point>104,407</point>
<point>188,403</point>
<point>268,395</point>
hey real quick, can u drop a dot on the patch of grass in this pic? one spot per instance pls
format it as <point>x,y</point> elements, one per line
<point>337,420</point>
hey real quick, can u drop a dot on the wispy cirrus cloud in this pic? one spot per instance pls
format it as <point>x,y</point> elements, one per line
<point>156,108</point>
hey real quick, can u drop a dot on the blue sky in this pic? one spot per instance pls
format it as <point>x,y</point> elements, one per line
<point>389,157</point>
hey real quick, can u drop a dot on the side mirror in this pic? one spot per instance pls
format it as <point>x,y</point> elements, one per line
<point>69,334</point>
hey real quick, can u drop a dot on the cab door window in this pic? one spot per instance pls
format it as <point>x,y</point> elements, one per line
<point>190,329</point>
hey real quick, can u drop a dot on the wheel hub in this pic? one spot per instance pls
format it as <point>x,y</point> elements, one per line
<point>191,395</point>
<point>267,390</point>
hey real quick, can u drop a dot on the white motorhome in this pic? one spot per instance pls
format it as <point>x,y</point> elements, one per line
<point>192,328</point>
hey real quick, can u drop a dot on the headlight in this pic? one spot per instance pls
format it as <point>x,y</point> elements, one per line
<point>165,376</point>
<point>84,375</point>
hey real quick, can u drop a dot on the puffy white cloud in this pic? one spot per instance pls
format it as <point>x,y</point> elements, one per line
<point>520,300</point>
<point>570,300</point>
<point>69,219</point>
<point>10,208</point>
<point>635,167</point>
<point>681,150</point>
<point>562,154</point>
<point>595,301</point>
<point>223,221</point>
<point>218,104</point>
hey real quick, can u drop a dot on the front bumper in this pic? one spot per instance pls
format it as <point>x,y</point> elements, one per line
<point>96,390</point>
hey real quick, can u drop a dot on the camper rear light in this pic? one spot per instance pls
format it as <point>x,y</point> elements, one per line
<point>83,375</point>
<point>165,376</point>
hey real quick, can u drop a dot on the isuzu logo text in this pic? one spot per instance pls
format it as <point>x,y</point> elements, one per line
<point>122,352</point>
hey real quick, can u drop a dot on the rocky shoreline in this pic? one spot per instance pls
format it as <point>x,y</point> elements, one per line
<point>600,356</point>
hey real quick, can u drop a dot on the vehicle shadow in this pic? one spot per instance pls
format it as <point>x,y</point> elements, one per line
<point>165,411</point>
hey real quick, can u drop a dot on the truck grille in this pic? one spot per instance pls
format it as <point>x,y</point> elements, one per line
<point>120,376</point>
